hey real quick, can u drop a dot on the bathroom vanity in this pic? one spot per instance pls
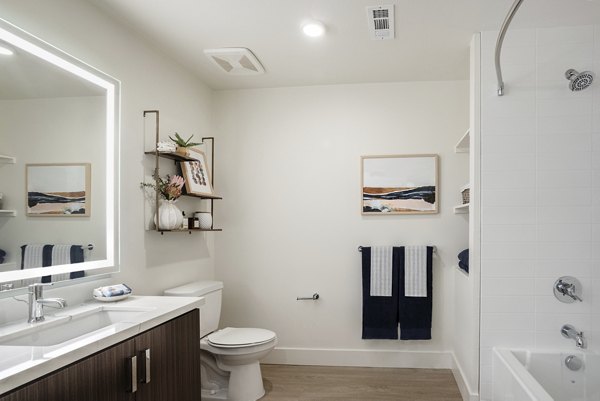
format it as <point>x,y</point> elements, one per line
<point>143,348</point>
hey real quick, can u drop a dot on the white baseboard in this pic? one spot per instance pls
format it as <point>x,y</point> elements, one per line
<point>463,385</point>
<point>359,357</point>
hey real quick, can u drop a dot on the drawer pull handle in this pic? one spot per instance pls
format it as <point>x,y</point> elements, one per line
<point>146,378</point>
<point>133,374</point>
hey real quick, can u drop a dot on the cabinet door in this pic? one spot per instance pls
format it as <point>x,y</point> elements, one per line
<point>100,377</point>
<point>174,349</point>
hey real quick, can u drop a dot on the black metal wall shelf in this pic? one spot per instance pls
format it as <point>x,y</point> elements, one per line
<point>178,157</point>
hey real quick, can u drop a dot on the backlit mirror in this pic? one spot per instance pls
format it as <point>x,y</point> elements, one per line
<point>59,120</point>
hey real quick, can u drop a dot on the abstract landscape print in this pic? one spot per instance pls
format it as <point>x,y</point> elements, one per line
<point>399,184</point>
<point>58,189</point>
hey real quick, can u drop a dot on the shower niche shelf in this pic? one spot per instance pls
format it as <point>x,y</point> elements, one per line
<point>7,159</point>
<point>465,197</point>
<point>461,209</point>
<point>462,145</point>
<point>177,158</point>
<point>8,266</point>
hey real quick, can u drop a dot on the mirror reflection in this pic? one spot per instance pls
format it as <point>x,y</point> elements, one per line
<point>56,166</point>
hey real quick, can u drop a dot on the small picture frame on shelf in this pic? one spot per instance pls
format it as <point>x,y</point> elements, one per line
<point>197,176</point>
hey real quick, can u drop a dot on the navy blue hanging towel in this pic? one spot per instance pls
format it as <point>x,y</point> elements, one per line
<point>414,313</point>
<point>463,260</point>
<point>380,313</point>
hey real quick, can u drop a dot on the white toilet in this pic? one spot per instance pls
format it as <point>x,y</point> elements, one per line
<point>229,357</point>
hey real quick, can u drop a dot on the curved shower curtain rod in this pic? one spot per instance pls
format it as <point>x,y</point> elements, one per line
<point>505,24</point>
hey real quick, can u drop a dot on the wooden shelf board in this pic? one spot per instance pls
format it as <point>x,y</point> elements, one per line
<point>461,209</point>
<point>172,156</point>
<point>203,196</point>
<point>463,144</point>
<point>8,213</point>
<point>190,230</point>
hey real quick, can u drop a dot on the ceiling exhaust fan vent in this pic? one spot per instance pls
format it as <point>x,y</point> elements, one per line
<point>381,22</point>
<point>235,60</point>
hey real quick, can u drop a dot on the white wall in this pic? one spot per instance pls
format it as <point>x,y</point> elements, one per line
<point>150,80</point>
<point>53,130</point>
<point>289,173</point>
<point>467,286</point>
<point>540,191</point>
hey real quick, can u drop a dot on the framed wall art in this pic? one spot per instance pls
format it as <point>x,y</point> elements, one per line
<point>58,190</point>
<point>196,174</point>
<point>399,184</point>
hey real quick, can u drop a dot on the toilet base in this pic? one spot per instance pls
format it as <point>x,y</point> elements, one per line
<point>245,381</point>
<point>212,395</point>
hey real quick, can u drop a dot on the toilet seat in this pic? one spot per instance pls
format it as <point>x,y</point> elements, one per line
<point>231,337</point>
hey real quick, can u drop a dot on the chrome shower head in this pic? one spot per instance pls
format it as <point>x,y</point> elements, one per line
<point>579,80</point>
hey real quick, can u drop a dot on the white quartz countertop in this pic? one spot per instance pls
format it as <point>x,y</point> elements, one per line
<point>20,364</point>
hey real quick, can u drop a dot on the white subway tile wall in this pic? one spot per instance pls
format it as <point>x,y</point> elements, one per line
<point>540,191</point>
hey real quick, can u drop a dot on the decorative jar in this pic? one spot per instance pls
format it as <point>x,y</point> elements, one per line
<point>205,219</point>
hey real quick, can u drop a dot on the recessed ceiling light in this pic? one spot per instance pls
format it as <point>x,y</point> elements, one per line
<point>313,29</point>
<point>5,51</point>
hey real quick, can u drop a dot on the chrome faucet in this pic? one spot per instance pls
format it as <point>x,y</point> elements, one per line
<point>36,302</point>
<point>569,331</point>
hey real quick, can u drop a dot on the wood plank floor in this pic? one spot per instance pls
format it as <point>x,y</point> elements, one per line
<point>325,383</point>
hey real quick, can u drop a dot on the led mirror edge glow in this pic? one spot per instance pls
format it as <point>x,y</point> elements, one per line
<point>5,51</point>
<point>34,49</point>
<point>113,118</point>
<point>112,87</point>
<point>15,275</point>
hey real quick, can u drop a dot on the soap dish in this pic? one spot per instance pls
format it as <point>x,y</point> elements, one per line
<point>111,299</point>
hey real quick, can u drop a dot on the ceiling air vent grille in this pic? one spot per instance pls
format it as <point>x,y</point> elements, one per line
<point>235,60</point>
<point>381,22</point>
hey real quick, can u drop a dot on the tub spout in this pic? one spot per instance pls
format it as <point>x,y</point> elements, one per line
<point>569,331</point>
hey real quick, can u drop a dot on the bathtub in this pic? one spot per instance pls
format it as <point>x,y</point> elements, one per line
<point>523,375</point>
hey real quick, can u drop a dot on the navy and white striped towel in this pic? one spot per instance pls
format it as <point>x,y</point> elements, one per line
<point>381,271</point>
<point>32,256</point>
<point>61,255</point>
<point>38,255</point>
<point>415,271</point>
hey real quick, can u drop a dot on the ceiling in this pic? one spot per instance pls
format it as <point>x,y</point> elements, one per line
<point>431,44</point>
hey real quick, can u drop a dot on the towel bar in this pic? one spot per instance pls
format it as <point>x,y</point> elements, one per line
<point>360,248</point>
<point>314,297</point>
<point>89,247</point>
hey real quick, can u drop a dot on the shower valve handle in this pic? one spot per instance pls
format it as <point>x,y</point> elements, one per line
<point>567,287</point>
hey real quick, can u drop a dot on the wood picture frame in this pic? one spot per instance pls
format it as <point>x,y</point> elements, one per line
<point>58,189</point>
<point>399,184</point>
<point>197,175</point>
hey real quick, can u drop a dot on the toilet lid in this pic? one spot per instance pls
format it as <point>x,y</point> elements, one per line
<point>232,337</point>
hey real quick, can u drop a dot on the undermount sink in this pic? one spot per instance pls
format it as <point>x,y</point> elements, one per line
<point>66,327</point>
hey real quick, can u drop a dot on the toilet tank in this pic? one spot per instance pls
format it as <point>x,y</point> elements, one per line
<point>210,312</point>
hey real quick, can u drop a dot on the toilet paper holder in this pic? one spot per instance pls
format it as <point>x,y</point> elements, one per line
<point>314,297</point>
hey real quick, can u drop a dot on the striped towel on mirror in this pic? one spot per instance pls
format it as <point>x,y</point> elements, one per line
<point>36,255</point>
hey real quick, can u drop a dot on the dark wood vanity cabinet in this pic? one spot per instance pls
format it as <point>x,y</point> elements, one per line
<point>171,351</point>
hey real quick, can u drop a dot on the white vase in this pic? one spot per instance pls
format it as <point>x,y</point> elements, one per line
<point>169,215</point>
<point>205,219</point>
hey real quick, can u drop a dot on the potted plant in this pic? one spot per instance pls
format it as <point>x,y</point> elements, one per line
<point>168,216</point>
<point>183,144</point>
